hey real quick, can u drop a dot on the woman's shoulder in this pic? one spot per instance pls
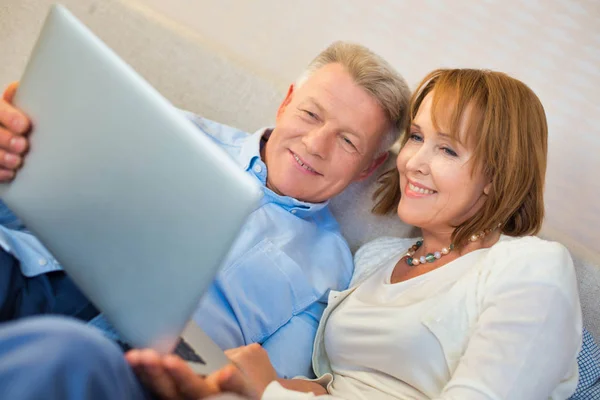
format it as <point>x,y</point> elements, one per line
<point>370,256</point>
<point>528,247</point>
<point>530,257</point>
<point>382,247</point>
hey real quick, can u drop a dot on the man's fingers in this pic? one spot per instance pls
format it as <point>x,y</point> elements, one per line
<point>11,117</point>
<point>10,160</point>
<point>147,365</point>
<point>6,175</point>
<point>187,382</point>
<point>11,142</point>
<point>9,92</point>
<point>133,357</point>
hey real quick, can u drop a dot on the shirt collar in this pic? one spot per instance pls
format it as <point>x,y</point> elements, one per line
<point>250,160</point>
<point>251,147</point>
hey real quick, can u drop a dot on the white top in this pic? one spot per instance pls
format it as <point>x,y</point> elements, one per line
<point>498,323</point>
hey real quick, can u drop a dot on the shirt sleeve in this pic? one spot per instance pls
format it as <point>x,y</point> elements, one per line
<point>8,218</point>
<point>528,334</point>
<point>291,347</point>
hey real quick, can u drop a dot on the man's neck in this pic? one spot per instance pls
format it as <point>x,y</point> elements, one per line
<point>264,142</point>
<point>264,139</point>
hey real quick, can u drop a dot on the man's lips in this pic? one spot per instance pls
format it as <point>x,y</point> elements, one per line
<point>303,164</point>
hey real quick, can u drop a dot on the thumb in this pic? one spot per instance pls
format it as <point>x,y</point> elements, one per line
<point>10,91</point>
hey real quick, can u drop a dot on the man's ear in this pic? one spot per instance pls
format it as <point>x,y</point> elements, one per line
<point>286,101</point>
<point>376,163</point>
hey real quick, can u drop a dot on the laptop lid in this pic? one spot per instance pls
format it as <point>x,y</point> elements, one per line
<point>136,204</point>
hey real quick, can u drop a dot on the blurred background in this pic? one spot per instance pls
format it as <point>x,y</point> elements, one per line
<point>552,45</point>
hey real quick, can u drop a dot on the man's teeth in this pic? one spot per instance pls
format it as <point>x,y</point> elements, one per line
<point>420,190</point>
<point>306,167</point>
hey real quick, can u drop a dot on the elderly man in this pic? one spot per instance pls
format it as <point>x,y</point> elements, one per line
<point>334,127</point>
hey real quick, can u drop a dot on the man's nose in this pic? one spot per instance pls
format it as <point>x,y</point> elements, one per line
<point>318,142</point>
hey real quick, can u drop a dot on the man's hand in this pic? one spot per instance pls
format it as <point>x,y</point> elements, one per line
<point>171,378</point>
<point>14,125</point>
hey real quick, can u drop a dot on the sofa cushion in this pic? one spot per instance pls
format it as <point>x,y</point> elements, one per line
<point>588,386</point>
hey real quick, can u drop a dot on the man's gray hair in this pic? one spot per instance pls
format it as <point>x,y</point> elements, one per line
<point>376,76</point>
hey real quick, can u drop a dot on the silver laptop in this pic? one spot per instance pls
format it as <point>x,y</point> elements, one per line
<point>137,205</point>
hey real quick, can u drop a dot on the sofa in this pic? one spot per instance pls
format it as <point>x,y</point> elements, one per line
<point>195,74</point>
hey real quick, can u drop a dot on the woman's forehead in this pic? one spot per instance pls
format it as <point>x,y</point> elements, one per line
<point>450,114</point>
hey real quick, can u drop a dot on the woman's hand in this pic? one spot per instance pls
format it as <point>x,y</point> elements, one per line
<point>254,363</point>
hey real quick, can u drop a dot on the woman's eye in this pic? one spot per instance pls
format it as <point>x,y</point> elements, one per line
<point>416,137</point>
<point>449,151</point>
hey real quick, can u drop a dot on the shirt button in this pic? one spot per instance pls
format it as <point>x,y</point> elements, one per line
<point>257,168</point>
<point>294,211</point>
<point>42,261</point>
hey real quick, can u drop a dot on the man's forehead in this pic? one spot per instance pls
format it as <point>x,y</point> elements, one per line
<point>334,91</point>
<point>329,87</point>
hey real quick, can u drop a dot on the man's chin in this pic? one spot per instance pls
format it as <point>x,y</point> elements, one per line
<point>307,196</point>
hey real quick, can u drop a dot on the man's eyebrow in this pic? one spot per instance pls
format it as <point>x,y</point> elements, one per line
<point>349,131</point>
<point>314,102</point>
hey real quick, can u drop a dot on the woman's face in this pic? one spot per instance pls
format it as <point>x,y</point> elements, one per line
<point>439,192</point>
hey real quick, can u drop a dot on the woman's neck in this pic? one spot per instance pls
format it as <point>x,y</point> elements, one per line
<point>437,240</point>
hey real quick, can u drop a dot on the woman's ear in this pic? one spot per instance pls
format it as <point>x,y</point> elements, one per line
<point>487,188</point>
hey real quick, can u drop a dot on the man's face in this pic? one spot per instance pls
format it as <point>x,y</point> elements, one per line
<point>326,135</point>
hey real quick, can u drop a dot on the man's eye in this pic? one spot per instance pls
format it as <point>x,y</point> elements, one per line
<point>311,114</point>
<point>348,143</point>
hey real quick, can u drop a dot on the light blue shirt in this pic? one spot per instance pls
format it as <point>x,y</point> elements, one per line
<point>274,283</point>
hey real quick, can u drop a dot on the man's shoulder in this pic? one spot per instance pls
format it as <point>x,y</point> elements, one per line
<point>328,222</point>
<point>319,225</point>
<point>222,134</point>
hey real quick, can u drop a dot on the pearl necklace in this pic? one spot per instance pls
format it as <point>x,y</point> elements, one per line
<point>431,257</point>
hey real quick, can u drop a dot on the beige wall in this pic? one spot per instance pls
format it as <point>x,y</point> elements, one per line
<point>552,45</point>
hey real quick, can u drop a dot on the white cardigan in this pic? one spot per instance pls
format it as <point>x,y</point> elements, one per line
<point>519,302</point>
